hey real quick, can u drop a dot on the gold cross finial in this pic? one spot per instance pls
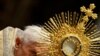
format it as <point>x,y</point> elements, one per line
<point>88,12</point>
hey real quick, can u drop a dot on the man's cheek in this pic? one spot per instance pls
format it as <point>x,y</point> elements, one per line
<point>18,53</point>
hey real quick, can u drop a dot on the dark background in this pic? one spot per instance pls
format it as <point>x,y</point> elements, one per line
<point>20,13</point>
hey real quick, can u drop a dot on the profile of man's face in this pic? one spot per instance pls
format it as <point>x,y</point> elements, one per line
<point>29,49</point>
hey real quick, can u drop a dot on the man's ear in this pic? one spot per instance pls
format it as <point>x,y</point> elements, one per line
<point>18,42</point>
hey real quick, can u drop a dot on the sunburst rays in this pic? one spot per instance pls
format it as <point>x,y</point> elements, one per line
<point>56,24</point>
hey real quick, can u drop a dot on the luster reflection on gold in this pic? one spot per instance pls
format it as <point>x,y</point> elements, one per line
<point>68,24</point>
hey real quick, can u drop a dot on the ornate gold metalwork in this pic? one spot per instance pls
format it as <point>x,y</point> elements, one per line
<point>64,25</point>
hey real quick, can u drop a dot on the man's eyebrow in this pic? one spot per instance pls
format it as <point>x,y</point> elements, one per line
<point>33,52</point>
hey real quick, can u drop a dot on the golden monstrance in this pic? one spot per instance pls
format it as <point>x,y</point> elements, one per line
<point>73,34</point>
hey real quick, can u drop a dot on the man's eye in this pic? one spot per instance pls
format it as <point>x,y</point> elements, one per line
<point>33,53</point>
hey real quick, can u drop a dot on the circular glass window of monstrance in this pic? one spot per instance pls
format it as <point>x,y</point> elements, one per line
<point>71,46</point>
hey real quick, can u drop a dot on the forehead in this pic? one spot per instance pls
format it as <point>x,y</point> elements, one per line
<point>34,45</point>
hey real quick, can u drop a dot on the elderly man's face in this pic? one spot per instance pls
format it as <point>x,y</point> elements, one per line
<point>30,49</point>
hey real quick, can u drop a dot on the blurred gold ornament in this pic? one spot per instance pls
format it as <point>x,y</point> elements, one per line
<point>73,34</point>
<point>88,12</point>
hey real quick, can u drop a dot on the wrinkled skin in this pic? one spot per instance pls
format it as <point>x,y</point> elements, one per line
<point>30,49</point>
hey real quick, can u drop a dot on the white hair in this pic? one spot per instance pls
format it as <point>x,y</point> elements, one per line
<point>36,33</point>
